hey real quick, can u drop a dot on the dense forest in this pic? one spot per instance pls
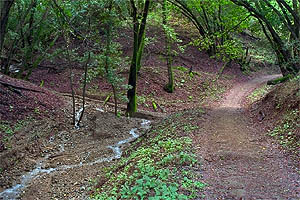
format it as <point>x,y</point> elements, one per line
<point>149,99</point>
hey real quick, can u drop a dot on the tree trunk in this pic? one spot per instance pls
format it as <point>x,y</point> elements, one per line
<point>139,30</point>
<point>169,87</point>
<point>5,7</point>
<point>140,53</point>
<point>4,13</point>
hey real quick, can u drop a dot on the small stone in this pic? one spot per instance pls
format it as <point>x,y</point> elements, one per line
<point>239,193</point>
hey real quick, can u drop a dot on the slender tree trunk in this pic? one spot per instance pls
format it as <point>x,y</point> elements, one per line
<point>169,87</point>
<point>138,29</point>
<point>107,54</point>
<point>71,74</point>
<point>84,88</point>
<point>31,21</point>
<point>140,53</point>
<point>72,88</point>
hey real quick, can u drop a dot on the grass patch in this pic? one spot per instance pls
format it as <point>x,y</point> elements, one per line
<point>157,166</point>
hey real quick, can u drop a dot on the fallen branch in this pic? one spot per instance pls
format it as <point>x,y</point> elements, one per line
<point>19,87</point>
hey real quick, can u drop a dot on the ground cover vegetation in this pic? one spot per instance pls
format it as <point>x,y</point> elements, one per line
<point>161,168</point>
<point>162,56</point>
<point>282,103</point>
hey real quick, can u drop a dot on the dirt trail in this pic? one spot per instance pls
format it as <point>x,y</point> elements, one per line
<point>238,162</point>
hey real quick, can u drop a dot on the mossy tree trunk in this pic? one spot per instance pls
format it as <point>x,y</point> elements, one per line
<point>139,31</point>
<point>140,53</point>
<point>5,7</point>
<point>169,87</point>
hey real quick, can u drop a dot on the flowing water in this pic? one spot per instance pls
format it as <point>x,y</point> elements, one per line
<point>14,192</point>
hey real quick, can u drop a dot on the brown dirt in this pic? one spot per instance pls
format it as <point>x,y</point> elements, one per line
<point>56,144</point>
<point>19,99</point>
<point>238,161</point>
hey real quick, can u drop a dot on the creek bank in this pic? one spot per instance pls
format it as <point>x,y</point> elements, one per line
<point>89,148</point>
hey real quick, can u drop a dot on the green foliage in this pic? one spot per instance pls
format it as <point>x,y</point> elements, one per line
<point>279,21</point>
<point>218,21</point>
<point>154,106</point>
<point>156,18</point>
<point>10,130</point>
<point>159,168</point>
<point>261,52</point>
<point>280,80</point>
<point>181,68</point>
<point>111,74</point>
<point>30,33</point>
<point>286,131</point>
<point>259,93</point>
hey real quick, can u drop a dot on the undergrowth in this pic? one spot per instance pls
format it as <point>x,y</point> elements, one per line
<point>157,166</point>
<point>286,131</point>
<point>259,93</point>
<point>7,130</point>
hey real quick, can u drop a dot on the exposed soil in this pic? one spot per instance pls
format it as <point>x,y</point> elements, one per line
<point>238,160</point>
<point>67,159</point>
<point>19,98</point>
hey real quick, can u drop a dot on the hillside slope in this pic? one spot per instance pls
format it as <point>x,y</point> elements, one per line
<point>277,108</point>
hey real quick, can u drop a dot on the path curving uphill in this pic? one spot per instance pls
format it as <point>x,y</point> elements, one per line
<point>238,162</point>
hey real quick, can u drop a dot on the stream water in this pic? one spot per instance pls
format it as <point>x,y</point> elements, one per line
<point>14,192</point>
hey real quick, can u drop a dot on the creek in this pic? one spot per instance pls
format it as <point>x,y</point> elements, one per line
<point>15,191</point>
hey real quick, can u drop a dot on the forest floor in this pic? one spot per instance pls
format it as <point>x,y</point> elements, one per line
<point>42,156</point>
<point>238,161</point>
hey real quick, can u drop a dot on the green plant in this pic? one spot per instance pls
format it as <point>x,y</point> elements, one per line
<point>37,110</point>
<point>6,129</point>
<point>155,169</point>
<point>181,68</point>
<point>259,93</point>
<point>286,131</point>
<point>212,90</point>
<point>11,129</point>
<point>189,128</point>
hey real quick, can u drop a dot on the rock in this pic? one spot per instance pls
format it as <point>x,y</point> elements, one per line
<point>238,193</point>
